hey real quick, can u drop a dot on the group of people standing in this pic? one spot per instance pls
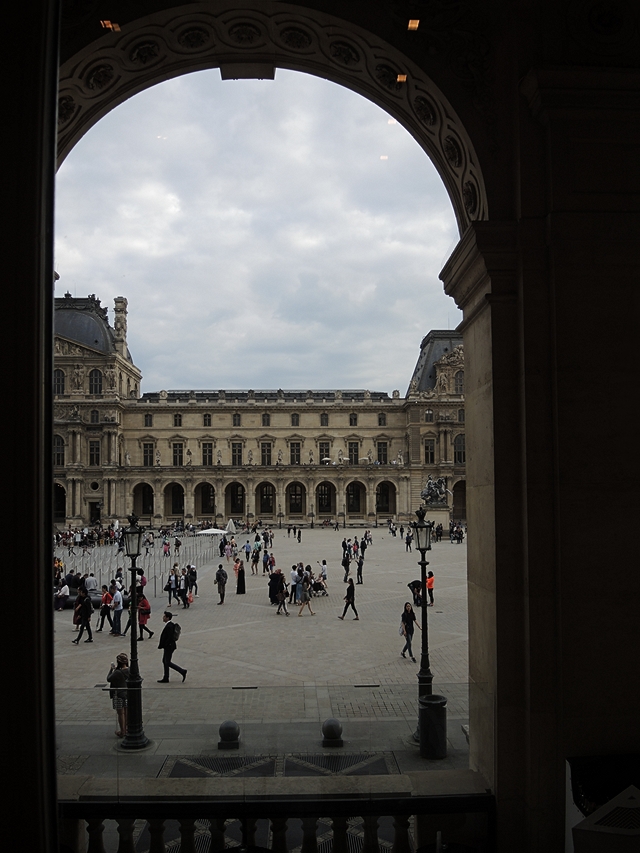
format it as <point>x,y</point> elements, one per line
<point>182,585</point>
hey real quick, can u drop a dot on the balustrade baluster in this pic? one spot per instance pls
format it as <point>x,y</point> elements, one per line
<point>156,831</point>
<point>216,830</point>
<point>340,844</point>
<point>370,844</point>
<point>279,834</point>
<point>125,831</point>
<point>309,837</point>
<point>401,843</point>
<point>187,835</point>
<point>95,829</point>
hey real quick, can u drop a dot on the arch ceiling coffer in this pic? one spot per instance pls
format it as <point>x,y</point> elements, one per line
<point>211,35</point>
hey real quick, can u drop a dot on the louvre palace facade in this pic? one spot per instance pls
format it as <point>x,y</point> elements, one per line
<point>357,457</point>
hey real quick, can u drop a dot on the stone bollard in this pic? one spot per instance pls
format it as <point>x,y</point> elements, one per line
<point>229,735</point>
<point>332,733</point>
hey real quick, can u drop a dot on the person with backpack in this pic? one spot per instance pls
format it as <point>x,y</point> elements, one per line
<point>168,643</point>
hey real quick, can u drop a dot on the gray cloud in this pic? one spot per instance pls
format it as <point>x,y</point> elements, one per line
<point>258,236</point>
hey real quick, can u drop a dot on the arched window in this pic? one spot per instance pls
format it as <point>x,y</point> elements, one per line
<point>324,419</point>
<point>177,420</point>
<point>266,419</point>
<point>148,420</point>
<point>428,416</point>
<point>458,382</point>
<point>295,420</point>
<point>459,453</point>
<point>58,381</point>
<point>382,419</point>
<point>237,419</point>
<point>206,420</point>
<point>58,450</point>
<point>95,381</point>
<point>353,419</point>
<point>94,417</point>
<point>460,416</point>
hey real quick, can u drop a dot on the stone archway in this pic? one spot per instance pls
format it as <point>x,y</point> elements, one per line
<point>251,42</point>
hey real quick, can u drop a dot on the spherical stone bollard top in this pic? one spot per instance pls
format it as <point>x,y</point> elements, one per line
<point>332,732</point>
<point>229,731</point>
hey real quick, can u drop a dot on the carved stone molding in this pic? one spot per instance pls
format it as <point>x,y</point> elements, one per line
<point>215,33</point>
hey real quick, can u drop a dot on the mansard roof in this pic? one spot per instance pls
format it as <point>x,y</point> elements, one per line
<point>85,321</point>
<point>434,346</point>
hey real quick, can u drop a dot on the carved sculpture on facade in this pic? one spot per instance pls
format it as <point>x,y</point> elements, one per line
<point>78,377</point>
<point>158,457</point>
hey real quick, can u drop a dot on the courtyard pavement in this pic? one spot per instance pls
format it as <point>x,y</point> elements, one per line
<point>278,677</point>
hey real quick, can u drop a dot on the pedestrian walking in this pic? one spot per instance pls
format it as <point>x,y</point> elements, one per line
<point>407,622</point>
<point>105,608</point>
<point>168,643</point>
<point>144,612</point>
<point>350,599</point>
<point>305,596</point>
<point>85,609</point>
<point>117,678</point>
<point>359,569</point>
<point>345,564</point>
<point>221,581</point>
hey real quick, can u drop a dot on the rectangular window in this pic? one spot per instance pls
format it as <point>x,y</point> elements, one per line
<point>265,452</point>
<point>324,419</point>
<point>237,420</point>
<point>207,453</point>
<point>295,420</point>
<point>177,420</point>
<point>178,453</point>
<point>354,448</point>
<point>147,454</point>
<point>383,452</point>
<point>294,452</point>
<point>206,420</point>
<point>148,420</point>
<point>94,452</point>
<point>430,451</point>
<point>236,453</point>
<point>324,450</point>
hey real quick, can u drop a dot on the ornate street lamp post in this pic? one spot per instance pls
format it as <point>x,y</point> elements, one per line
<point>135,737</point>
<point>422,536</point>
<point>312,515</point>
<point>432,726</point>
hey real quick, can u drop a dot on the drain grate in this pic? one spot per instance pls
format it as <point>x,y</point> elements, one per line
<point>295,764</point>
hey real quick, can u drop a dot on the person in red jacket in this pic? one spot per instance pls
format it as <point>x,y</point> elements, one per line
<point>430,582</point>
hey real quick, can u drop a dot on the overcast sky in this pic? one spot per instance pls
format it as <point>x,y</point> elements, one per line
<point>267,234</point>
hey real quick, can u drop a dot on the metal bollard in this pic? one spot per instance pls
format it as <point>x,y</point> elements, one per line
<point>432,719</point>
